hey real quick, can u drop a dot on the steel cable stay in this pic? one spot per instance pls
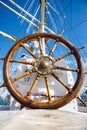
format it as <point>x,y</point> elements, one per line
<point>60,20</point>
<point>65,29</point>
<point>36,12</point>
<point>74,30</point>
<point>22,21</point>
<point>71,28</point>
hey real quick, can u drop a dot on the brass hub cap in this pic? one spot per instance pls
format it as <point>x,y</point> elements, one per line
<point>44,65</point>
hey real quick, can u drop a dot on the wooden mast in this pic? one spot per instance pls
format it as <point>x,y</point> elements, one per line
<point>42,2</point>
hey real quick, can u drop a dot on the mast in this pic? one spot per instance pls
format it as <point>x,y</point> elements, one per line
<point>42,2</point>
<point>43,14</point>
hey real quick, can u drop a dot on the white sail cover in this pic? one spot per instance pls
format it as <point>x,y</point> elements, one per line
<point>57,89</point>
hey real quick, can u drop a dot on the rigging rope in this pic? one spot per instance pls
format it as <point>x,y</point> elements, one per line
<point>36,11</point>
<point>22,20</point>
<point>69,29</point>
<point>28,10</point>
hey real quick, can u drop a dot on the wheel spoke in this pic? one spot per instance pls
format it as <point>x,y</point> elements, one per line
<point>53,48</point>
<point>30,52</point>
<point>67,54</point>
<point>3,85</point>
<point>48,88</point>
<point>34,84</point>
<point>2,59</point>
<point>62,57</point>
<point>66,69</point>
<point>41,47</point>
<point>23,75</point>
<point>81,100</point>
<point>60,81</point>
<point>23,62</point>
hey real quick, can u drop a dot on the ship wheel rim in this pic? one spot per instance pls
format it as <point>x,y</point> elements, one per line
<point>34,104</point>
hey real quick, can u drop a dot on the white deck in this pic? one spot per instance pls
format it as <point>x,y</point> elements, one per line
<point>42,120</point>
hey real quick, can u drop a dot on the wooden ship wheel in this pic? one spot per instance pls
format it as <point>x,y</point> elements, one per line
<point>44,83</point>
<point>43,66</point>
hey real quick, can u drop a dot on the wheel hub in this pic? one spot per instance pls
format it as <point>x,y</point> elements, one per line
<point>44,65</point>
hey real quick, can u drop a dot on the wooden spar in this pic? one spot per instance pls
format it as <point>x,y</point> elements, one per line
<point>28,14</point>
<point>15,12</point>
<point>24,11</point>
<point>7,36</point>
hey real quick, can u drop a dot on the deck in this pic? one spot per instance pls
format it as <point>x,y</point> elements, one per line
<point>42,120</point>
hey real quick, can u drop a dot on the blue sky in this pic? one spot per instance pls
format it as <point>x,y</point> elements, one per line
<point>72,14</point>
